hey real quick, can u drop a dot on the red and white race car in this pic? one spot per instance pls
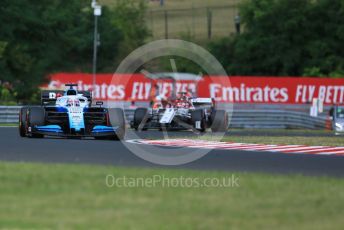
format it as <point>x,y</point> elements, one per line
<point>181,113</point>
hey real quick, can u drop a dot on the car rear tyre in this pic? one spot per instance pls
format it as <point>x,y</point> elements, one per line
<point>219,121</point>
<point>117,119</point>
<point>140,118</point>
<point>23,121</point>
<point>36,117</point>
<point>198,120</point>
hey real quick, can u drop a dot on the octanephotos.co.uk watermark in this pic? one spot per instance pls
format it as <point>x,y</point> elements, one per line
<point>163,181</point>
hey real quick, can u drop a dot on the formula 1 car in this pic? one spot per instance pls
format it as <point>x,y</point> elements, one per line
<point>181,113</point>
<point>337,114</point>
<point>70,114</point>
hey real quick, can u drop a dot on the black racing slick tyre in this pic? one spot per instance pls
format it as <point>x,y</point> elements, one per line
<point>198,120</point>
<point>219,121</point>
<point>23,121</point>
<point>36,117</point>
<point>140,118</point>
<point>117,119</point>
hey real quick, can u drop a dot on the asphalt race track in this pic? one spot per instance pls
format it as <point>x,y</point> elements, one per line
<point>89,151</point>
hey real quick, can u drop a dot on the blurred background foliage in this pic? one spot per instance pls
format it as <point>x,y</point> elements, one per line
<point>286,38</point>
<point>38,38</point>
<point>279,38</point>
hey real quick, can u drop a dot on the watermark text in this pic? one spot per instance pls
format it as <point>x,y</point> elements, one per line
<point>163,181</point>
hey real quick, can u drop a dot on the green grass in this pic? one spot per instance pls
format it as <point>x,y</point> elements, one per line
<point>178,4</point>
<point>188,19</point>
<point>8,124</point>
<point>36,196</point>
<point>288,140</point>
<point>291,137</point>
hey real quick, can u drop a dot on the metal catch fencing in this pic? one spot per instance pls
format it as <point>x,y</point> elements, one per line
<point>282,119</point>
<point>9,114</point>
<point>241,118</point>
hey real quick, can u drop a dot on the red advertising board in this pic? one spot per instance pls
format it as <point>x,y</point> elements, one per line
<point>237,89</point>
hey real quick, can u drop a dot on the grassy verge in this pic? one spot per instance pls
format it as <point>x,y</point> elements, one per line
<point>8,124</point>
<point>177,4</point>
<point>288,137</point>
<point>288,140</point>
<point>277,137</point>
<point>76,197</point>
<point>188,19</point>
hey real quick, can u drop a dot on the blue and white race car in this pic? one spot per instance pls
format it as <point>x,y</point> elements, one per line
<point>70,114</point>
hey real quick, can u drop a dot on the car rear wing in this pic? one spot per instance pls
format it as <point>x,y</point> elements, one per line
<point>201,102</point>
<point>50,96</point>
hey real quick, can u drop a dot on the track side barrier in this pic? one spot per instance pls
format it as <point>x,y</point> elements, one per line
<point>241,118</point>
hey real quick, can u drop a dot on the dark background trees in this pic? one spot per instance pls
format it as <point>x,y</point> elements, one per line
<point>279,38</point>
<point>286,38</point>
<point>41,37</point>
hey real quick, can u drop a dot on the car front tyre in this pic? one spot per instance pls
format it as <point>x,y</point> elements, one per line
<point>117,119</point>
<point>140,118</point>
<point>36,117</point>
<point>23,121</point>
<point>219,121</point>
